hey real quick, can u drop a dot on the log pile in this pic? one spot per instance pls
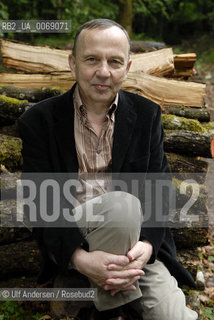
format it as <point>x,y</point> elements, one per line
<point>45,73</point>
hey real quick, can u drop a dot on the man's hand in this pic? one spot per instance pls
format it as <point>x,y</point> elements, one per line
<point>95,264</point>
<point>138,256</point>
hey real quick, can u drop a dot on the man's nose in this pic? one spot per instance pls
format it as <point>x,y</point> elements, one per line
<point>103,70</point>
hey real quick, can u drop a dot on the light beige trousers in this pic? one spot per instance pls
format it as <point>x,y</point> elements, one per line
<point>111,223</point>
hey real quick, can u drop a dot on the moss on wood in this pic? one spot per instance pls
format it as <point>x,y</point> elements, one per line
<point>172,122</point>
<point>10,152</point>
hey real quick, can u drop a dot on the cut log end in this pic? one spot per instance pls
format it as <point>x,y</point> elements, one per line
<point>212,147</point>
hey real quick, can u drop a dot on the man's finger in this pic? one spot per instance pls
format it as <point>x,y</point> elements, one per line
<point>126,273</point>
<point>119,260</point>
<point>132,265</point>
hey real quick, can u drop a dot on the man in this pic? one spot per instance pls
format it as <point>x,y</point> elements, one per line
<point>96,127</point>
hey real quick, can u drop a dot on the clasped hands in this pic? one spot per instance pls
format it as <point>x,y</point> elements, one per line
<point>113,272</point>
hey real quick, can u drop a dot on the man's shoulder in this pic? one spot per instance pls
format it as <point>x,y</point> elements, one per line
<point>139,103</point>
<point>48,107</point>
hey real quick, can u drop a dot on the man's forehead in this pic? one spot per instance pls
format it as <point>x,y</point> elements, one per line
<point>111,34</point>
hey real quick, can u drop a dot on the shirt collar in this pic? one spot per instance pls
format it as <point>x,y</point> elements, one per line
<point>81,110</point>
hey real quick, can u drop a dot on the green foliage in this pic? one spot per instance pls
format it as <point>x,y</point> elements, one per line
<point>3,11</point>
<point>165,20</point>
<point>13,310</point>
<point>207,312</point>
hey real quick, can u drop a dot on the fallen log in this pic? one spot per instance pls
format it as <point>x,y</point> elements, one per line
<point>187,190</point>
<point>158,63</point>
<point>10,152</point>
<point>31,95</point>
<point>12,235</point>
<point>185,60</point>
<point>189,237</point>
<point>160,90</point>
<point>63,80</point>
<point>44,59</point>
<point>142,46</point>
<point>171,122</point>
<point>30,58</point>
<point>184,164</point>
<point>184,64</point>
<point>184,167</point>
<point>20,258</point>
<point>164,91</point>
<point>11,109</point>
<point>209,126</point>
<point>190,143</point>
<point>200,114</point>
<point>10,130</point>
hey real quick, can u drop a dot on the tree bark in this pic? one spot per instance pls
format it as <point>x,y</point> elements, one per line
<point>184,164</point>
<point>200,114</point>
<point>32,95</point>
<point>190,237</point>
<point>11,109</point>
<point>145,46</point>
<point>184,64</point>
<point>29,58</point>
<point>125,15</point>
<point>171,122</point>
<point>160,90</point>
<point>158,63</point>
<point>10,152</point>
<point>20,258</point>
<point>189,143</point>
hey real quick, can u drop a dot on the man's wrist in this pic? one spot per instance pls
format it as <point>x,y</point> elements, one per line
<point>76,258</point>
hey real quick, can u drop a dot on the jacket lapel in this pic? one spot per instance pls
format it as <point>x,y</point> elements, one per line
<point>125,118</point>
<point>64,132</point>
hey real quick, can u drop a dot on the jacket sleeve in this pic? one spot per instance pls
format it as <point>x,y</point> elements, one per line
<point>59,241</point>
<point>154,228</point>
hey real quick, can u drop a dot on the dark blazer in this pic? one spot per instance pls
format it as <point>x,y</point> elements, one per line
<point>47,131</point>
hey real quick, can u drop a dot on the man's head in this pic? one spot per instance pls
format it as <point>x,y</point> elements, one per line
<point>100,60</point>
<point>99,24</point>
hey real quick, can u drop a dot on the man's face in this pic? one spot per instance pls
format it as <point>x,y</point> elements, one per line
<point>101,64</point>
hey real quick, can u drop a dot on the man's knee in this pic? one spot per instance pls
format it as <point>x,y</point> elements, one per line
<point>124,210</point>
<point>170,307</point>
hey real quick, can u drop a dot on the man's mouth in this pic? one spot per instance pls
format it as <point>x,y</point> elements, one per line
<point>101,87</point>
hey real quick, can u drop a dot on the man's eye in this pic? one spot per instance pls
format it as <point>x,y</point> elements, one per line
<point>91,59</point>
<point>115,62</point>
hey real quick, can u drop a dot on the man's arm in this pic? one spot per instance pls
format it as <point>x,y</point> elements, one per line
<point>153,230</point>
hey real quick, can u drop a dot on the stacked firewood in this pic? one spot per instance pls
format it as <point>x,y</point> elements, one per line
<point>159,75</point>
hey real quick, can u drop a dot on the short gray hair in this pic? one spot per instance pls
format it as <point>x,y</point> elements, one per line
<point>99,24</point>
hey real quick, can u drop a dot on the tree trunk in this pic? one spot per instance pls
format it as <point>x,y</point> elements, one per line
<point>171,122</point>
<point>190,237</point>
<point>190,143</point>
<point>145,46</point>
<point>63,80</point>
<point>20,258</point>
<point>10,152</point>
<point>160,90</point>
<point>11,109</point>
<point>184,64</point>
<point>158,63</point>
<point>32,95</point>
<point>200,114</point>
<point>29,58</point>
<point>164,91</point>
<point>125,15</point>
<point>184,164</point>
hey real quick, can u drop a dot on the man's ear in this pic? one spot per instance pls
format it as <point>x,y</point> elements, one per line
<point>127,68</point>
<point>71,61</point>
